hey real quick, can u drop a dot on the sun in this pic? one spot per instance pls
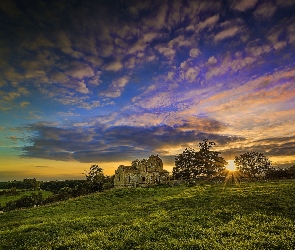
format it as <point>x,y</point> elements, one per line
<point>231,166</point>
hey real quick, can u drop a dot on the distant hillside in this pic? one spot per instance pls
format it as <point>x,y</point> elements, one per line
<point>257,215</point>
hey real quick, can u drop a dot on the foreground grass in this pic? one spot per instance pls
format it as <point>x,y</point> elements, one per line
<point>249,216</point>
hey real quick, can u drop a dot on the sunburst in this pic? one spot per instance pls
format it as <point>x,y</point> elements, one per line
<point>231,166</point>
<point>232,174</point>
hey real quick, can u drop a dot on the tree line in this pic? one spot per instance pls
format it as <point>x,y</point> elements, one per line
<point>95,181</point>
<point>207,163</point>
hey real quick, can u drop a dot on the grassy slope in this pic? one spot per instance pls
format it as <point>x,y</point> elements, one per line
<point>4,199</point>
<point>250,216</point>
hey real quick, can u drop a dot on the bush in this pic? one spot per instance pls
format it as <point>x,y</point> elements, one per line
<point>24,202</point>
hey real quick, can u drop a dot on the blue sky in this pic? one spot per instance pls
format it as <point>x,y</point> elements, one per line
<point>106,82</point>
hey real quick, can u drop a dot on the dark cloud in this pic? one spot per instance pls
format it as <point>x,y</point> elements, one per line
<point>270,147</point>
<point>42,166</point>
<point>278,146</point>
<point>100,143</point>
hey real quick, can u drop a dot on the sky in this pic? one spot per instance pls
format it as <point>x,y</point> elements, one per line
<point>107,82</point>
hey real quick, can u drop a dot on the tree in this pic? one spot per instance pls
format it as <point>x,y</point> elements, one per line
<point>280,173</point>
<point>108,182</point>
<point>95,178</point>
<point>191,164</point>
<point>210,162</point>
<point>185,165</point>
<point>252,164</point>
<point>291,171</point>
<point>31,184</point>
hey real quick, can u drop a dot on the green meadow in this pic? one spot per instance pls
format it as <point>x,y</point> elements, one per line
<point>6,198</point>
<point>254,215</point>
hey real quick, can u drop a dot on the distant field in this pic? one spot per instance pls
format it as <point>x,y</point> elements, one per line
<point>250,216</point>
<point>4,199</point>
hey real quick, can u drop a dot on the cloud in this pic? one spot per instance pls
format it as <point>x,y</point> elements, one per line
<point>100,143</point>
<point>209,22</point>
<point>191,74</point>
<point>114,66</point>
<point>138,7</point>
<point>117,87</point>
<point>243,5</point>
<point>81,87</point>
<point>280,149</point>
<point>79,70</point>
<point>42,166</point>
<point>194,52</point>
<point>265,10</point>
<point>260,100</point>
<point>158,20</point>
<point>167,52</point>
<point>160,100</point>
<point>91,105</point>
<point>170,49</point>
<point>291,33</point>
<point>229,65</point>
<point>143,42</point>
<point>194,66</point>
<point>285,3</point>
<point>255,93</point>
<point>10,8</point>
<point>95,80</point>
<point>24,104</point>
<point>9,95</point>
<point>258,50</point>
<point>13,138</point>
<point>212,60</point>
<point>82,102</point>
<point>230,32</point>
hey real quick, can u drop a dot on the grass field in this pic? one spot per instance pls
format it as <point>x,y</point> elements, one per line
<point>257,215</point>
<point>4,199</point>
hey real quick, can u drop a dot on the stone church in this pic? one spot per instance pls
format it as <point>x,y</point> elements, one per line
<point>141,173</point>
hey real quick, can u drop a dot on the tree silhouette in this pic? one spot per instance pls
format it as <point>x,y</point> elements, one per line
<point>252,164</point>
<point>185,165</point>
<point>191,164</point>
<point>210,161</point>
<point>95,178</point>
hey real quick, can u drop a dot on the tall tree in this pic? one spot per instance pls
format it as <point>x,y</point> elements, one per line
<point>210,162</point>
<point>95,178</point>
<point>252,164</point>
<point>185,165</point>
<point>191,164</point>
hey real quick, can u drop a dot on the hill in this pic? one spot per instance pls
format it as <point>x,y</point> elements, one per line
<point>258,215</point>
